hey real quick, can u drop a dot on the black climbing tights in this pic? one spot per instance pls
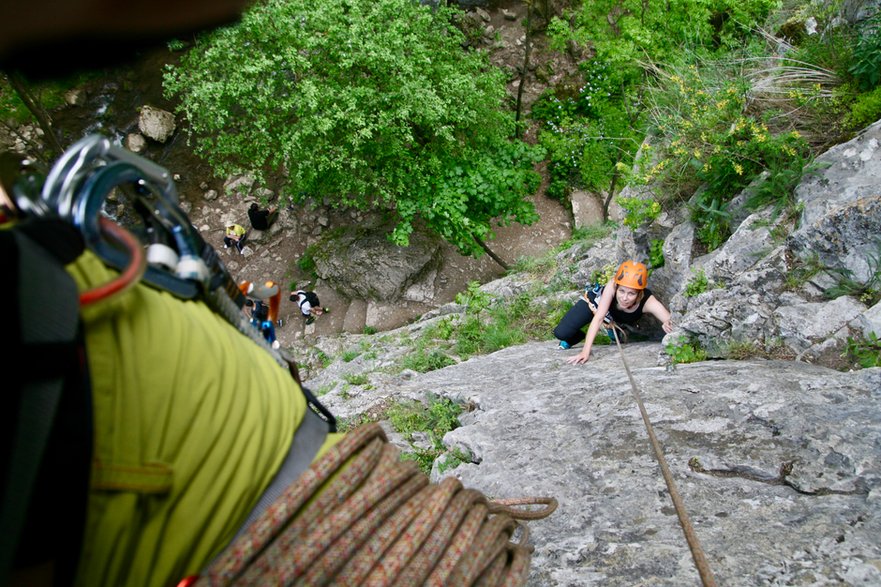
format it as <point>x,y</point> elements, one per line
<point>571,326</point>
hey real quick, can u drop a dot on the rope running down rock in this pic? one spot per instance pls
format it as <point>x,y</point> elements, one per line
<point>697,553</point>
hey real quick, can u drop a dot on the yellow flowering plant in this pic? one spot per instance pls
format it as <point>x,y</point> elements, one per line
<point>709,139</point>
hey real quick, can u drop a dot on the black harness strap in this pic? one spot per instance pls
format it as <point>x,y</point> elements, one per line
<point>46,420</point>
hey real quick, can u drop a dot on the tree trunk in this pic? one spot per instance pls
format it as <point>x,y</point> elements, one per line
<point>21,87</point>
<point>525,68</point>
<point>611,193</point>
<point>491,254</point>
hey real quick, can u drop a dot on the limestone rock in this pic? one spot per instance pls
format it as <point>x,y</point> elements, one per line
<point>362,263</point>
<point>156,124</point>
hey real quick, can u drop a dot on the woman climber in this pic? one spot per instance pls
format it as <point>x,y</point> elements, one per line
<point>623,301</point>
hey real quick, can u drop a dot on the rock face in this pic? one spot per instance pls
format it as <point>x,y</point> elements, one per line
<point>364,264</point>
<point>776,462</point>
<point>764,291</point>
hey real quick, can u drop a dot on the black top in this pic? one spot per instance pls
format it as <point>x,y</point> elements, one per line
<point>631,318</point>
<point>259,218</point>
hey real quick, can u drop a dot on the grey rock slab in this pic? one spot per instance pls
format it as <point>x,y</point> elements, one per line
<point>777,463</point>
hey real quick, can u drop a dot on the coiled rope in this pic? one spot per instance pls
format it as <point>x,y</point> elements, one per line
<point>361,516</point>
<point>697,553</point>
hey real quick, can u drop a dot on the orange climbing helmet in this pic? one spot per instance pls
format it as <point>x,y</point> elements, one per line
<point>632,274</point>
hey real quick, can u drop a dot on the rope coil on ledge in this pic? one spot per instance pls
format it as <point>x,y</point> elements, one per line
<point>378,521</point>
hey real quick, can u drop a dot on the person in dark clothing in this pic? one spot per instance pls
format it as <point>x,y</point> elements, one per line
<point>261,218</point>
<point>622,301</point>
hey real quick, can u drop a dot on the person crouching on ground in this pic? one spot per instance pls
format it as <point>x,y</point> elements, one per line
<point>623,301</point>
<point>309,304</point>
<point>235,235</point>
<point>262,219</point>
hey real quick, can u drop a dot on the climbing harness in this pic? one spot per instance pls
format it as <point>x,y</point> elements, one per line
<point>362,516</point>
<point>697,553</point>
<point>177,259</point>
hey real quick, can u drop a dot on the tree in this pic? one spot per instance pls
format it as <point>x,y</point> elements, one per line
<point>24,94</point>
<point>361,103</point>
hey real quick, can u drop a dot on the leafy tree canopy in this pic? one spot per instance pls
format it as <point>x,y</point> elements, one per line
<point>362,103</point>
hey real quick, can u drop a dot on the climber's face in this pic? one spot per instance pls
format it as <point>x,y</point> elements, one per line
<point>626,296</point>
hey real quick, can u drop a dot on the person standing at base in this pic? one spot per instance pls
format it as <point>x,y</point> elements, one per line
<point>262,218</point>
<point>623,301</point>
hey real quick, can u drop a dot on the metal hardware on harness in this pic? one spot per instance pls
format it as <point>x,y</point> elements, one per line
<point>76,189</point>
<point>697,553</point>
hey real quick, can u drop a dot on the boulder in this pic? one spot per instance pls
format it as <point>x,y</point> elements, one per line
<point>155,123</point>
<point>363,263</point>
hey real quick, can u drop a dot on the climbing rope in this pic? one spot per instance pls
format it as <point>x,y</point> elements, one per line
<point>697,553</point>
<point>361,516</point>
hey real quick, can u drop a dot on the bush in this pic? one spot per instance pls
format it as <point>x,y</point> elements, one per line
<point>684,351</point>
<point>697,285</point>
<point>868,291</point>
<point>656,254</point>
<point>864,352</point>
<point>865,110</point>
<point>367,104</point>
<point>356,378</point>
<point>423,360</point>
<point>440,416</point>
<point>866,65</point>
<point>588,133</point>
<point>709,139</point>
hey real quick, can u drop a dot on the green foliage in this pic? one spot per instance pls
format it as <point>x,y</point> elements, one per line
<point>592,132</point>
<point>440,416</point>
<point>365,104</point>
<point>424,360</point>
<point>587,132</point>
<point>175,45</point>
<point>604,274</point>
<point>639,211</point>
<point>709,139</point>
<point>864,352</point>
<point>356,378</point>
<point>864,110</point>
<point>803,270</point>
<point>589,235</point>
<point>656,254</point>
<point>684,351</point>
<point>369,330</point>
<point>453,459</point>
<point>470,335</point>
<point>474,298</point>
<point>866,65</point>
<point>348,424</point>
<point>49,95</point>
<point>325,389</point>
<point>777,188</point>
<point>868,291</point>
<point>323,358</point>
<point>306,262</point>
<point>443,329</point>
<point>350,355</point>
<point>741,350</point>
<point>697,285</point>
